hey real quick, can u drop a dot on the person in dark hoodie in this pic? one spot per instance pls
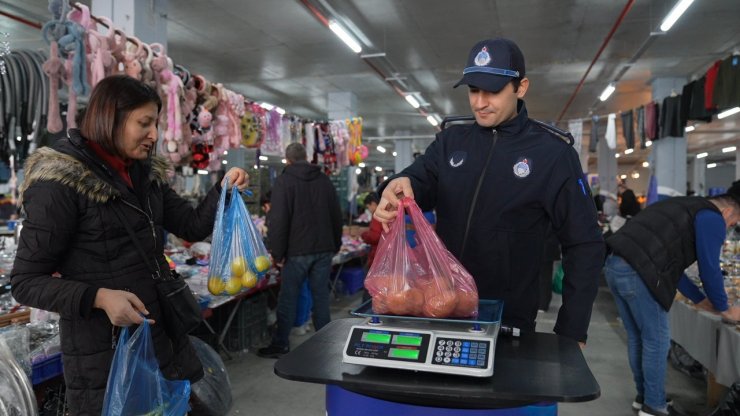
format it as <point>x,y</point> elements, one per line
<point>77,197</point>
<point>497,184</point>
<point>305,233</point>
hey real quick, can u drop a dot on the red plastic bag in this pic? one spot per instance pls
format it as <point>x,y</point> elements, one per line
<point>422,281</point>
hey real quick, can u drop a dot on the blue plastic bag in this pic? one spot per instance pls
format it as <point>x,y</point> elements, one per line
<point>238,255</point>
<point>136,387</point>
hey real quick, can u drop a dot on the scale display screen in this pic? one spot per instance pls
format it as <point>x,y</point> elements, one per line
<point>376,337</point>
<point>412,340</point>
<point>404,353</point>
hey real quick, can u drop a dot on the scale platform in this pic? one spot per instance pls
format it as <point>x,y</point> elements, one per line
<point>450,346</point>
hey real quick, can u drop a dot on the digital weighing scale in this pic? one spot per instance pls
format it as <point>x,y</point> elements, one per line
<point>450,346</point>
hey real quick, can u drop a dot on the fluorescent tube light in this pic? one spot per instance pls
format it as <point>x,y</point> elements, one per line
<point>345,36</point>
<point>702,155</point>
<point>378,168</point>
<point>728,113</point>
<point>689,129</point>
<point>645,164</point>
<point>411,100</point>
<point>433,121</point>
<point>675,14</point>
<point>607,92</point>
<point>711,165</point>
<point>381,149</point>
<point>729,149</point>
<point>628,151</point>
<point>264,158</point>
<point>648,143</point>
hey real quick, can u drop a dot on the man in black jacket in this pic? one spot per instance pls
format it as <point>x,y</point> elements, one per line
<point>496,186</point>
<point>305,233</point>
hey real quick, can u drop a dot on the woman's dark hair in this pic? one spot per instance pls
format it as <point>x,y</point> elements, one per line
<point>630,206</point>
<point>111,102</point>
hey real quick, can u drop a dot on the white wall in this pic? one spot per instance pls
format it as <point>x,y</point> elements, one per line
<point>721,176</point>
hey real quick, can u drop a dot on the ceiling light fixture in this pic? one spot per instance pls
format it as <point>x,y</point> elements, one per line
<point>361,164</point>
<point>675,14</point>
<point>202,172</point>
<point>412,100</point>
<point>728,113</point>
<point>645,164</point>
<point>433,121</point>
<point>284,161</point>
<point>623,177</point>
<point>648,143</point>
<point>711,165</point>
<point>689,129</point>
<point>378,168</point>
<point>729,149</point>
<point>264,158</point>
<point>280,111</point>
<point>635,175</point>
<point>617,155</point>
<point>702,155</point>
<point>342,34</point>
<point>395,154</point>
<point>358,171</point>
<point>628,151</point>
<point>267,106</point>
<point>224,162</point>
<point>381,149</point>
<point>607,92</point>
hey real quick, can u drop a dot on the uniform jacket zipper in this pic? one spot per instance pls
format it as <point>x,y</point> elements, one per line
<point>475,195</point>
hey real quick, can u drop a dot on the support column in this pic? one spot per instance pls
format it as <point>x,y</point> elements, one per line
<point>670,152</point>
<point>698,170</point>
<point>404,153</point>
<point>145,19</point>
<point>737,164</point>
<point>607,168</point>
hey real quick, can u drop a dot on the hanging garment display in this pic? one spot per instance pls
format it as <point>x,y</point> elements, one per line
<point>671,123</point>
<point>252,125</point>
<point>272,145</point>
<point>641,125</point>
<point>652,111</point>
<point>611,131</point>
<point>727,86</point>
<point>628,128</point>
<point>711,79</point>
<point>594,134</point>
<point>575,127</point>
<point>310,139</point>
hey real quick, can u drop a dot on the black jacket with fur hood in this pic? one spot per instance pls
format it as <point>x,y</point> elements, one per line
<point>71,227</point>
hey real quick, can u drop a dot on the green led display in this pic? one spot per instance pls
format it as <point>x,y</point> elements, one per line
<point>376,338</point>
<point>407,340</point>
<point>405,354</point>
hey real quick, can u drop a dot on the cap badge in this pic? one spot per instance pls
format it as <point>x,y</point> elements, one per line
<point>521,168</point>
<point>483,57</point>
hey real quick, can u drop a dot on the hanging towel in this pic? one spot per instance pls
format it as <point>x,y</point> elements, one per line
<point>628,129</point>
<point>651,120</point>
<point>594,134</point>
<point>611,131</point>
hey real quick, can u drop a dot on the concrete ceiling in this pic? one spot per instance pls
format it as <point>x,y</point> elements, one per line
<point>278,51</point>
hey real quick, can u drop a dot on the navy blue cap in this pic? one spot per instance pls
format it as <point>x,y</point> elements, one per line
<point>492,64</point>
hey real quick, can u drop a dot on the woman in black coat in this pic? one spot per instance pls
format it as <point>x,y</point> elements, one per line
<point>630,206</point>
<point>75,256</point>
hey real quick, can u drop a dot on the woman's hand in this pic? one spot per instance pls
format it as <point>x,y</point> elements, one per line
<point>237,177</point>
<point>123,308</point>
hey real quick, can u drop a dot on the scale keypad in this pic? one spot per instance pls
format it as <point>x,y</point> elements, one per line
<point>461,352</point>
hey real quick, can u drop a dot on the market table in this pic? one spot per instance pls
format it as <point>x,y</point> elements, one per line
<point>341,258</point>
<point>528,371</point>
<point>714,344</point>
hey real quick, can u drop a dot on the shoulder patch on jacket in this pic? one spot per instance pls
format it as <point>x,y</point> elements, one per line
<point>561,134</point>
<point>47,164</point>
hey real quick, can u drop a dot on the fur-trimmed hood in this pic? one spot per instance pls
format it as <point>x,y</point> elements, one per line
<point>47,164</point>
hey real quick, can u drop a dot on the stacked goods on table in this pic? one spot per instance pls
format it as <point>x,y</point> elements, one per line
<point>422,281</point>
